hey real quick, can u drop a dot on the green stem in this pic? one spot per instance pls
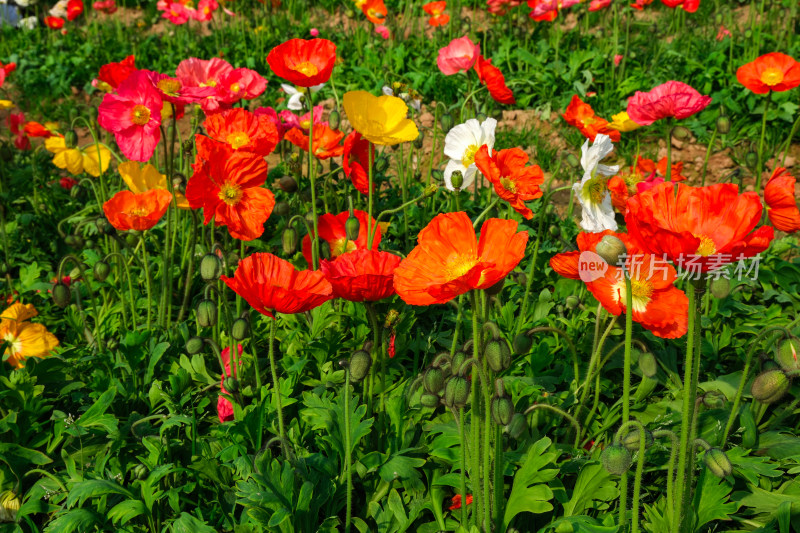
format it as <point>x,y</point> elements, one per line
<point>146,265</point>
<point>276,388</point>
<point>760,166</point>
<point>462,434</point>
<point>311,171</point>
<point>626,391</point>
<point>498,486</point>
<point>484,212</point>
<point>673,453</point>
<point>347,455</point>
<point>668,177</point>
<point>475,474</point>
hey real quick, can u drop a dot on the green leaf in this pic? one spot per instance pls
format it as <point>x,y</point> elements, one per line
<point>187,523</point>
<point>400,467</point>
<point>528,494</point>
<point>78,520</point>
<point>95,416</point>
<point>14,453</point>
<point>593,483</point>
<point>711,500</point>
<point>126,511</point>
<point>94,488</point>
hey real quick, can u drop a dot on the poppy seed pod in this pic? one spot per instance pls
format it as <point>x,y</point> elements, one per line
<point>287,184</point>
<point>631,439</point>
<point>720,288</point>
<point>433,380</point>
<point>188,147</point>
<point>616,459</point>
<point>240,329</point>
<point>724,125</point>
<point>210,267</point>
<point>206,313</point>
<point>289,240</point>
<point>61,295</point>
<point>770,386</point>
<point>101,270</point>
<point>497,355</point>
<point>522,344</point>
<point>611,249</point>
<point>787,355</point>
<point>194,345</point>
<point>429,400</point>
<point>334,118</point>
<point>457,179</point>
<point>231,384</point>
<point>70,139</point>
<point>352,227</point>
<point>502,410</point>
<point>456,391</point>
<point>717,461</point>
<point>360,362</point>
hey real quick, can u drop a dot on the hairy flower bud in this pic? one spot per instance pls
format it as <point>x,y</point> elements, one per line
<point>282,209</point>
<point>502,410</point>
<point>231,384</point>
<point>194,345</point>
<point>522,344</point>
<point>433,380</point>
<point>770,386</point>
<point>429,400</point>
<point>70,139</point>
<point>681,133</point>
<point>206,313</point>
<point>787,355</point>
<point>289,240</point>
<point>631,439</point>
<point>497,355</point>
<point>61,295</point>
<point>616,459</point>
<point>611,249</point>
<point>720,288</point>
<point>446,122</point>
<point>456,391</point>
<point>724,125</point>
<point>287,184</point>
<point>210,267</point>
<point>352,227</point>
<point>101,270</point>
<point>717,461</point>
<point>419,140</point>
<point>648,364</point>
<point>360,363</point>
<point>334,118</point>
<point>240,329</point>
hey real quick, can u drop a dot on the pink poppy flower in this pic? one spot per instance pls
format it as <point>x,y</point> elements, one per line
<point>548,9</point>
<point>290,120</point>
<point>205,10</point>
<point>723,32</point>
<point>173,91</point>
<point>617,59</point>
<point>459,55</point>
<point>133,115</point>
<point>241,83</point>
<point>650,182</point>
<point>195,72</point>
<point>272,115</point>
<point>177,13</point>
<point>671,99</point>
<point>106,6</point>
<point>224,406</point>
<point>383,31</point>
<point>597,5</point>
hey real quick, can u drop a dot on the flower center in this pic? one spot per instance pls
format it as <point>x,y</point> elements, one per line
<point>459,265</point>
<point>140,115</point>
<point>342,246</point>
<point>306,68</point>
<point>237,139</point>
<point>235,88</point>
<point>641,293</point>
<point>209,83</point>
<point>772,76</point>
<point>169,86</point>
<point>138,212</point>
<point>508,184</point>
<point>594,190</point>
<point>305,124</point>
<point>707,246</point>
<point>230,194</point>
<point>469,154</point>
<point>587,121</point>
<point>14,344</point>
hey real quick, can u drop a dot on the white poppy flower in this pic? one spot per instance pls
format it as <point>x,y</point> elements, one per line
<point>592,191</point>
<point>28,23</point>
<point>461,144</point>
<point>60,9</point>
<point>296,97</point>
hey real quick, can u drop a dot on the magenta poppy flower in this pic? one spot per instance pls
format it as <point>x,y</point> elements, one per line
<point>177,13</point>
<point>173,91</point>
<point>671,99</point>
<point>290,120</point>
<point>224,406</point>
<point>133,115</point>
<point>241,83</point>
<point>205,10</point>
<point>459,55</point>
<point>272,115</point>
<point>195,72</point>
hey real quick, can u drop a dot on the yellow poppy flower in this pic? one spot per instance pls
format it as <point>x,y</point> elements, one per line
<point>6,104</point>
<point>90,159</point>
<point>24,339</point>
<point>142,179</point>
<point>622,122</point>
<point>380,119</point>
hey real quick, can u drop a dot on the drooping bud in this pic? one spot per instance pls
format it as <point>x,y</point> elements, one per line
<point>352,227</point>
<point>714,400</point>
<point>233,260</point>
<point>194,345</point>
<point>571,302</point>
<point>429,400</point>
<point>572,160</point>
<point>517,426</point>
<point>333,120</point>
<point>433,380</point>
<point>457,179</point>
<point>287,184</point>
<point>382,164</point>
<point>324,250</point>
<point>289,240</point>
<point>497,355</point>
<point>437,175</point>
<point>522,344</point>
<point>770,386</point>
<point>631,439</point>
<point>446,122</point>
<point>360,363</point>
<point>240,329</point>
<point>616,459</point>
<point>648,364</point>
<point>681,133</point>
<point>502,410</point>
<point>231,384</point>
<point>458,360</point>
<point>611,248</point>
<point>787,355</point>
<point>282,209</point>
<point>210,267</point>
<point>430,190</point>
<point>751,158</point>
<point>720,288</point>
<point>418,141</point>
<point>456,391</point>
<point>104,227</point>
<point>101,270</point>
<point>499,387</point>
<point>206,313</point>
<point>61,295</point>
<point>724,125</point>
<point>70,139</point>
<point>717,461</point>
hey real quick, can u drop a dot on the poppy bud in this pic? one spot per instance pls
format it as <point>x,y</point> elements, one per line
<point>101,270</point>
<point>497,355</point>
<point>324,250</point>
<point>70,139</point>
<point>360,362</point>
<point>310,219</point>
<point>240,329</point>
<point>456,391</point>
<point>333,120</point>
<point>233,259</point>
<point>74,241</point>
<point>522,344</point>
<point>140,471</point>
<point>714,400</point>
<point>681,133</point>
<point>457,179</point>
<point>502,410</point>
<point>429,400</point>
<point>382,164</point>
<point>499,388</point>
<point>210,267</point>
<point>648,364</point>
<point>288,184</point>
<point>717,461</point>
<point>751,158</point>
<point>3,268</point>
<point>770,386</point>
<point>194,345</point>
<point>572,302</point>
<point>282,209</point>
<point>517,426</point>
<point>458,360</point>
<point>430,190</point>
<point>616,459</point>
<point>352,226</point>
<point>188,147</point>
<point>61,295</point>
<point>231,384</point>
<point>611,249</point>
<point>723,125</point>
<point>720,288</point>
<point>787,353</point>
<point>572,160</point>
<point>446,122</point>
<point>631,439</point>
<point>289,240</point>
<point>718,19</point>
<point>433,380</point>
<point>748,33</point>
<point>104,227</point>
<point>206,313</point>
<point>418,140</point>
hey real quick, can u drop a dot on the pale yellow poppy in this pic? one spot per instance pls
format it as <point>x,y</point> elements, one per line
<point>91,159</point>
<point>380,119</point>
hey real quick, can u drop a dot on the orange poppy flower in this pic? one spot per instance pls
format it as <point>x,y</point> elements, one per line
<point>227,185</point>
<point>23,339</point>
<point>513,181</point>
<point>581,115</point>
<point>436,11</point>
<point>304,63</point>
<point>702,228</point>
<point>780,199</point>
<point>128,211</point>
<point>55,23</point>
<point>355,161</point>
<point>493,79</point>
<point>638,178</point>
<point>455,502</point>
<point>332,230</point>
<point>325,142</point>
<point>272,285</point>
<point>375,10</point>
<point>35,129</point>
<point>770,72</point>
<point>242,130</point>
<point>567,264</point>
<point>363,275</point>
<point>449,260</point>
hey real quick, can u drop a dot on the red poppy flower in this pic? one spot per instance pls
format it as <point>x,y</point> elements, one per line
<point>690,6</point>
<point>304,63</point>
<point>567,264</point>
<point>271,285</point>
<point>55,23</point>
<point>173,91</point>
<point>375,11</point>
<point>112,74</point>
<point>597,5</point>
<point>241,83</point>
<point>16,127</point>
<point>436,11</point>
<point>781,203</point>
<point>449,260</point>
<point>356,160</point>
<point>195,72</point>
<point>128,211</point>
<point>639,4</point>
<point>35,129</point>
<point>8,68</point>
<point>363,275</point>
<point>242,130</point>
<point>325,142</point>
<point>513,181</point>
<point>332,230</point>
<point>67,182</point>
<point>581,115</point>
<point>494,80</point>
<point>455,502</point>
<point>74,9</point>
<point>770,72</point>
<point>671,99</point>
<point>702,228</point>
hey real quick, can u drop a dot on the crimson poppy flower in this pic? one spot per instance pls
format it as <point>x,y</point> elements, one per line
<point>16,126</point>
<point>112,74</point>
<point>547,10</point>
<point>227,184</point>
<point>639,4</point>
<point>332,230</point>
<point>8,68</point>
<point>702,228</point>
<point>362,275</point>
<point>780,199</point>
<point>449,260</point>
<point>128,211</point>
<point>133,115</point>
<point>455,502</point>
<point>241,83</point>
<point>436,11</point>
<point>74,9</point>
<point>325,143</point>
<point>581,115</point>
<point>597,5</point>
<point>355,162</point>
<point>494,80</point>
<point>375,11</point>
<point>55,23</point>
<point>242,130</point>
<point>770,72</point>
<point>195,72</point>
<point>670,99</point>
<point>272,285</point>
<point>513,181</point>
<point>304,63</point>
<point>690,6</point>
<point>645,175</point>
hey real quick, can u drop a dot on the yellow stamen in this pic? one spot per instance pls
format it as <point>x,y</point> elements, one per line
<point>508,184</point>
<point>169,86</point>
<point>306,68</point>
<point>140,115</point>
<point>772,76</point>
<point>230,194</point>
<point>707,246</point>
<point>641,293</point>
<point>459,266</point>
<point>469,154</point>
<point>237,139</point>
